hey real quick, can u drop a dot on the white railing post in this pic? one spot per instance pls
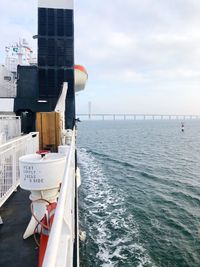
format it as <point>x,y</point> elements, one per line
<point>14,166</point>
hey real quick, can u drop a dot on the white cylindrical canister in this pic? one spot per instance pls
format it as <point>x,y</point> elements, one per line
<point>41,173</point>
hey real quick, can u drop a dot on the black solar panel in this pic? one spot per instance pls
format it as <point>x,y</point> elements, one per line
<point>55,50</point>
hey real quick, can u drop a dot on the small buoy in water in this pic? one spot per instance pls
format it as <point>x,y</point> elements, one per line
<point>82,236</point>
<point>182,126</point>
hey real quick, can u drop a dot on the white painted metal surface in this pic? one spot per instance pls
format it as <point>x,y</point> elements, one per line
<point>10,152</point>
<point>18,53</point>
<point>6,105</point>
<point>63,150</point>
<point>59,251</point>
<point>60,106</point>
<point>7,83</point>
<point>63,4</point>
<point>10,126</point>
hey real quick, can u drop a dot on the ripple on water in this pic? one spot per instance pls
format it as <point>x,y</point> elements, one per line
<point>140,196</point>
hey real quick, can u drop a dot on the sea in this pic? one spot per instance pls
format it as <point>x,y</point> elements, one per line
<point>139,201</point>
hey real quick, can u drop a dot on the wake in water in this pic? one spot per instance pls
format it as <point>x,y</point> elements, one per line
<point>112,233</point>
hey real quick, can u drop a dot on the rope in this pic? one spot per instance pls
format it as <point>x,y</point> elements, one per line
<point>39,222</point>
<point>34,234</point>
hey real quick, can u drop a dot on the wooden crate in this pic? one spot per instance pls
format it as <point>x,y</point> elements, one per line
<point>48,125</point>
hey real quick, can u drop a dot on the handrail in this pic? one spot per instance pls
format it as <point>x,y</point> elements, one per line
<point>63,225</point>
<point>14,140</point>
<point>9,166</point>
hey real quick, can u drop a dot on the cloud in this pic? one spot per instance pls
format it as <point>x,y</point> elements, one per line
<point>135,48</point>
<point>17,20</point>
<point>141,44</point>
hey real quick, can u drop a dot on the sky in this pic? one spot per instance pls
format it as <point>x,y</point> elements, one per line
<point>142,56</point>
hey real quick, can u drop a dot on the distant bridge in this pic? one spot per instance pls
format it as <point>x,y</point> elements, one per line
<point>137,117</point>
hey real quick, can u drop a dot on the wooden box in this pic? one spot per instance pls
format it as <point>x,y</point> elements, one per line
<point>48,126</point>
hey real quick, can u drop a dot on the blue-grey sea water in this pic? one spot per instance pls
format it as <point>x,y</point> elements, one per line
<point>140,194</point>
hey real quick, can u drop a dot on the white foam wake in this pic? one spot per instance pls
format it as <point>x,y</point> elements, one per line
<point>110,227</point>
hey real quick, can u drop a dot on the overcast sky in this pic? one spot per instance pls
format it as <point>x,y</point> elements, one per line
<point>142,56</point>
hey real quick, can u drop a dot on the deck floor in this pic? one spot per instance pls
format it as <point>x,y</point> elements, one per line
<point>14,251</point>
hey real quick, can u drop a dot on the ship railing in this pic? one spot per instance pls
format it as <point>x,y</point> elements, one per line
<point>10,127</point>
<point>10,152</point>
<point>62,236</point>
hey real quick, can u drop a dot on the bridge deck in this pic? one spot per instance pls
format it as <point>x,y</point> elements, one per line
<point>91,116</point>
<point>14,250</point>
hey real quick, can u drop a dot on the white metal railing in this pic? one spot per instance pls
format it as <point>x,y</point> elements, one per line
<point>10,152</point>
<point>61,240</point>
<point>10,127</point>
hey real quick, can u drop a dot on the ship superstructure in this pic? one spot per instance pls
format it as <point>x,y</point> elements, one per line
<point>18,53</point>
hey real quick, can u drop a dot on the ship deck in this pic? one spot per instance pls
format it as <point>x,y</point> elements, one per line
<point>14,250</point>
